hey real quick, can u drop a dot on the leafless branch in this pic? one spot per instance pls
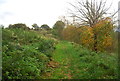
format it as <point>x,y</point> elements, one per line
<point>90,11</point>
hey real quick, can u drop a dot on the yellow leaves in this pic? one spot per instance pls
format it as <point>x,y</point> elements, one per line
<point>104,37</point>
<point>85,35</point>
<point>82,35</point>
<point>108,41</point>
<point>103,25</point>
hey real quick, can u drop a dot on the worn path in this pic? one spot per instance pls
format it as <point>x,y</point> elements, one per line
<point>62,60</point>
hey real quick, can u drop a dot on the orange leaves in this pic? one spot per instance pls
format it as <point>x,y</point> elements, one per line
<point>108,41</point>
<point>104,25</point>
<point>85,35</point>
<point>81,35</point>
<point>104,30</point>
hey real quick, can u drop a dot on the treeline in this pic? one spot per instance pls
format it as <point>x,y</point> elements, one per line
<point>27,51</point>
<point>100,37</point>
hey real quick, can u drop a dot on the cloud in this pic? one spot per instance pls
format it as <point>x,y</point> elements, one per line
<point>4,15</point>
<point>32,11</point>
<point>2,1</point>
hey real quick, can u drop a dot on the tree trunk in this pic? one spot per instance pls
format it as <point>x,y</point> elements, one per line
<point>95,42</point>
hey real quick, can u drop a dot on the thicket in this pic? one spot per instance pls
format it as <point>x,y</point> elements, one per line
<point>84,35</point>
<point>24,53</point>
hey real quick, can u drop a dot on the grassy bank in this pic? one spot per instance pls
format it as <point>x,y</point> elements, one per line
<point>76,62</point>
<point>30,55</point>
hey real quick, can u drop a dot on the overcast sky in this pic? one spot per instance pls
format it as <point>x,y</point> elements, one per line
<point>37,11</point>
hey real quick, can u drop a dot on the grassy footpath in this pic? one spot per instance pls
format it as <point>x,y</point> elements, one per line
<point>75,62</point>
<point>62,56</point>
<point>61,61</point>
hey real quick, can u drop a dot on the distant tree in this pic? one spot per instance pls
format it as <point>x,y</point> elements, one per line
<point>58,28</point>
<point>45,26</point>
<point>64,19</point>
<point>18,25</point>
<point>59,25</point>
<point>1,26</point>
<point>35,26</point>
<point>69,33</point>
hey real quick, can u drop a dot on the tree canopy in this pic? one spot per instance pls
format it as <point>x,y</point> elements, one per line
<point>45,26</point>
<point>18,25</point>
<point>35,26</point>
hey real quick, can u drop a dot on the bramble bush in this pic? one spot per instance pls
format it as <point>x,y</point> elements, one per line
<point>25,54</point>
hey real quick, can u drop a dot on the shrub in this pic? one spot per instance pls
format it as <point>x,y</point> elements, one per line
<point>25,54</point>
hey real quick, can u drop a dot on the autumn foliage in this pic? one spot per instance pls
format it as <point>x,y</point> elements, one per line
<point>84,35</point>
<point>104,30</point>
<point>69,33</point>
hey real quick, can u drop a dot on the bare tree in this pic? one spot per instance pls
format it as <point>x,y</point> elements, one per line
<point>90,12</point>
<point>64,19</point>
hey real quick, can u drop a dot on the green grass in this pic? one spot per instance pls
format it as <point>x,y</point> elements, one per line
<point>26,55</point>
<point>77,62</point>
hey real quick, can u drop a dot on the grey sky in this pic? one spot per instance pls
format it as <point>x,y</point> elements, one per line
<point>37,11</point>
